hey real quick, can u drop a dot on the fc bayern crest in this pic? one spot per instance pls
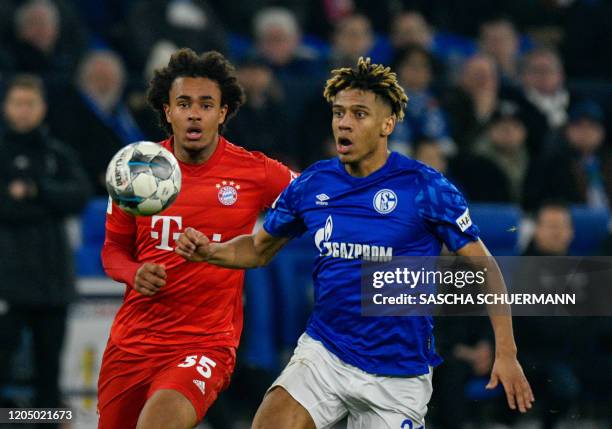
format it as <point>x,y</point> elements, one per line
<point>385,201</point>
<point>228,192</point>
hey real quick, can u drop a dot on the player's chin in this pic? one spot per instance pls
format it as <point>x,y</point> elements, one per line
<point>195,144</point>
<point>347,158</point>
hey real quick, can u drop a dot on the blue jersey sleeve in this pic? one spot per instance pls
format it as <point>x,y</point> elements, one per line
<point>445,212</point>
<point>283,219</point>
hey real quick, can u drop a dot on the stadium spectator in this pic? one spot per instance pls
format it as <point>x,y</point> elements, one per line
<point>424,118</point>
<point>42,43</point>
<point>547,341</point>
<point>473,100</point>
<point>566,378</point>
<point>93,117</point>
<point>298,68</point>
<point>431,152</point>
<point>466,344</point>
<point>542,97</point>
<point>278,41</point>
<point>543,84</point>
<point>352,38</point>
<point>499,39</point>
<point>41,183</point>
<point>262,123</point>
<point>238,15</point>
<point>411,28</point>
<point>191,23</point>
<point>136,98</point>
<point>579,168</point>
<point>554,231</point>
<point>504,146</point>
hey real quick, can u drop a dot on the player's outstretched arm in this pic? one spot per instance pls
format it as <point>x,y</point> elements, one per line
<point>506,368</point>
<point>245,251</point>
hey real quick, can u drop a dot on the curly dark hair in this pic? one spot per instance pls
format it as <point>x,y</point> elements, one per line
<point>369,77</point>
<point>186,63</point>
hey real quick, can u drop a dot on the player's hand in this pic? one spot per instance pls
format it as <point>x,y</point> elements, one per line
<point>149,279</point>
<point>508,371</point>
<point>193,246</point>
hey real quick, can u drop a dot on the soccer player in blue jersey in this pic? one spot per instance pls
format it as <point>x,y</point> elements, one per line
<point>366,204</point>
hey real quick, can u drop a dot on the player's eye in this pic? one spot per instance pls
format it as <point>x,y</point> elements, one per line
<point>207,106</point>
<point>337,114</point>
<point>361,114</point>
<point>183,105</point>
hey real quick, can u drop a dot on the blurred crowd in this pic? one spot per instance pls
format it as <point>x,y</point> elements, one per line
<point>511,100</point>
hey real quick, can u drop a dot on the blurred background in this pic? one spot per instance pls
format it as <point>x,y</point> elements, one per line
<point>511,100</point>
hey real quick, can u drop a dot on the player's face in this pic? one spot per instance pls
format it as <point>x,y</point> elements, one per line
<point>195,113</point>
<point>361,123</point>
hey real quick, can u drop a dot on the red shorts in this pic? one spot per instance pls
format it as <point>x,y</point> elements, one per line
<point>127,380</point>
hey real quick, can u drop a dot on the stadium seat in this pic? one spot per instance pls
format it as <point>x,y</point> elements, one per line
<point>92,231</point>
<point>498,224</point>
<point>590,229</point>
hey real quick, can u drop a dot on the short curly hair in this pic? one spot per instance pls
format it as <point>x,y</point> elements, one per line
<point>369,77</point>
<point>186,63</point>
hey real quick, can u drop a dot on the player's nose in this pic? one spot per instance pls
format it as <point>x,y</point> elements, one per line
<point>345,124</point>
<point>195,113</point>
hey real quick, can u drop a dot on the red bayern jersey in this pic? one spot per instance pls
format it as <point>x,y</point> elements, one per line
<point>200,303</point>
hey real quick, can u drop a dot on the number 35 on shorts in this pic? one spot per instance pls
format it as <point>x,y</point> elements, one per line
<point>204,365</point>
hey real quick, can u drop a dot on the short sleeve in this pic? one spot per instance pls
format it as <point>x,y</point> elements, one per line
<point>278,176</point>
<point>445,212</point>
<point>283,219</point>
<point>119,221</point>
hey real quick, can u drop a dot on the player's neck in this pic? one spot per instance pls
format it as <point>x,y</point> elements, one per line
<point>369,164</point>
<point>195,156</point>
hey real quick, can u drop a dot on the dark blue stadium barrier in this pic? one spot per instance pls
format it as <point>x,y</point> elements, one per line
<point>92,235</point>
<point>92,221</point>
<point>590,230</point>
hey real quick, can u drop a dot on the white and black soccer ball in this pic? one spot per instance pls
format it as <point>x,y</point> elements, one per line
<point>143,178</point>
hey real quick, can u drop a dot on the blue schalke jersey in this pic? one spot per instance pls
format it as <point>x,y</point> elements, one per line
<point>403,209</point>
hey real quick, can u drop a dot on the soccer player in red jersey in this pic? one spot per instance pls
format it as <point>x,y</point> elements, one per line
<point>173,343</point>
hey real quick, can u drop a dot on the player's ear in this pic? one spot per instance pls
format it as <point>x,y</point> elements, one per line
<point>222,114</point>
<point>388,125</point>
<point>167,112</point>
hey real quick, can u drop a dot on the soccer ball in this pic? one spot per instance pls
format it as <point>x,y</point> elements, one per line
<point>143,178</point>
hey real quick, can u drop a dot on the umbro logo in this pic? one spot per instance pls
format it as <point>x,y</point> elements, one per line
<point>201,385</point>
<point>322,199</point>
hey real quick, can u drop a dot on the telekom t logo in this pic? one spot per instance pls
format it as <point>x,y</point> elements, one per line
<point>165,233</point>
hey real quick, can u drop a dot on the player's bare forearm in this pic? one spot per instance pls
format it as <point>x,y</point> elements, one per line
<point>245,251</point>
<point>240,252</point>
<point>506,368</point>
<point>499,314</point>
